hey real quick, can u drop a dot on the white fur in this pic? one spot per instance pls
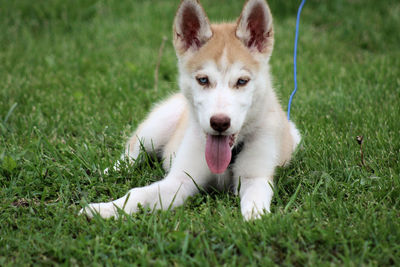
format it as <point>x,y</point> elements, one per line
<point>257,120</point>
<point>221,98</point>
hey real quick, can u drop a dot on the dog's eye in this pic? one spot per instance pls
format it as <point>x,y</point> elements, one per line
<point>241,82</point>
<point>203,81</point>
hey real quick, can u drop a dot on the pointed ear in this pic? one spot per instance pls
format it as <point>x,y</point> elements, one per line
<point>191,27</point>
<point>254,27</point>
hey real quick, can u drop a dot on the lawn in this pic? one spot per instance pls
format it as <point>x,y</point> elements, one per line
<point>76,77</point>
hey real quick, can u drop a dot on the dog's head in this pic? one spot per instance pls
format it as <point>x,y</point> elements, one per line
<point>223,69</point>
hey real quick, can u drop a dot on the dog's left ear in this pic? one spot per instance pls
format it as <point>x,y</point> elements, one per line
<point>254,27</point>
<point>191,27</point>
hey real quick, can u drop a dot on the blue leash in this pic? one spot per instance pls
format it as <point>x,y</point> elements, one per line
<point>295,58</point>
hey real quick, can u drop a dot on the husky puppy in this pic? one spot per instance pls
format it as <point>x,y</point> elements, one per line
<point>226,126</point>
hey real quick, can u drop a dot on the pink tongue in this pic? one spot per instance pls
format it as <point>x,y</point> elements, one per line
<point>218,153</point>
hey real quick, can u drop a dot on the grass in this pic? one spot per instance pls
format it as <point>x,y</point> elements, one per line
<point>77,77</point>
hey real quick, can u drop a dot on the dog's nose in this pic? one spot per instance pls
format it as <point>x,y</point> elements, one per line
<point>220,122</point>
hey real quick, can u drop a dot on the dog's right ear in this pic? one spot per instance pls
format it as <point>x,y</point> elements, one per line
<point>191,27</point>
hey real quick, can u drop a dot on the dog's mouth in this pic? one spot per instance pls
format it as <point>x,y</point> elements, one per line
<point>219,152</point>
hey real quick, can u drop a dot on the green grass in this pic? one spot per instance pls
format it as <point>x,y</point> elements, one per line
<point>76,77</point>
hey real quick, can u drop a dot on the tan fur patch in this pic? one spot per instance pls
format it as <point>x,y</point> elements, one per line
<point>223,37</point>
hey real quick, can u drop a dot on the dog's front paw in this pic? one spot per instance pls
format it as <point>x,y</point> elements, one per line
<point>105,210</point>
<point>251,211</point>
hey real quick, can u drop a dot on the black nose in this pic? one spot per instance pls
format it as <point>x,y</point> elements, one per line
<point>220,122</point>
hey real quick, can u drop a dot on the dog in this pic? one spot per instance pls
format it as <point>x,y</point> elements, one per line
<point>226,127</point>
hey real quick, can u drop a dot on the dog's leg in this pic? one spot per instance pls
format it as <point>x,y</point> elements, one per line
<point>253,172</point>
<point>188,172</point>
<point>255,196</point>
<point>170,192</point>
<point>156,130</point>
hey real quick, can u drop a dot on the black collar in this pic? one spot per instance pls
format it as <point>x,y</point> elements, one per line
<point>235,152</point>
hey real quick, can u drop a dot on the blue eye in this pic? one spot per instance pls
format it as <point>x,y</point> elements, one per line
<point>203,81</point>
<point>241,82</point>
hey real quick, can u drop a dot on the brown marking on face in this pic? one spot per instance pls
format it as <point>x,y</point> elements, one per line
<point>224,37</point>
